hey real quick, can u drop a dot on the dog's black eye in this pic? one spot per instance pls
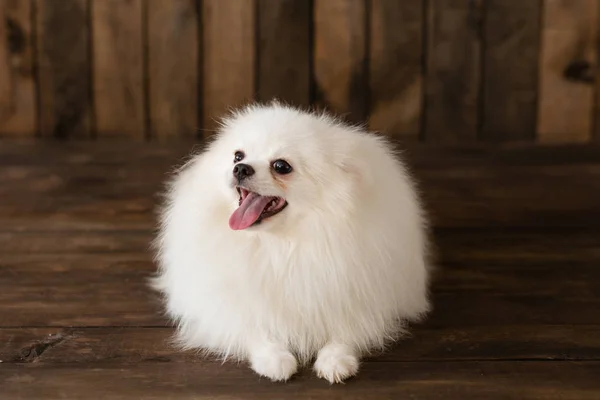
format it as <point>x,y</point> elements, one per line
<point>281,167</point>
<point>238,156</point>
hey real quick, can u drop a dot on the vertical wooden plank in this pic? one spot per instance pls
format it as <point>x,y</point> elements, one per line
<point>284,51</point>
<point>229,57</point>
<point>18,114</point>
<point>62,41</point>
<point>6,71</point>
<point>453,70</point>
<point>340,57</point>
<point>118,68</point>
<point>173,68</point>
<point>568,52</point>
<point>396,54</point>
<point>512,42</point>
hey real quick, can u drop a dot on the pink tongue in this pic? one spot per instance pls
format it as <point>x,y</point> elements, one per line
<point>249,211</point>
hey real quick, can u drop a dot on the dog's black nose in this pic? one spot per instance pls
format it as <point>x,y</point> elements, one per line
<point>241,171</point>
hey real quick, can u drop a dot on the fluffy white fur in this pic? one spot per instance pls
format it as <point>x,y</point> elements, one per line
<point>337,274</point>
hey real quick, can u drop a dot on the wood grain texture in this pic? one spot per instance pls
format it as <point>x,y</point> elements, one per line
<point>118,68</point>
<point>475,275</point>
<point>455,246</point>
<point>453,66</point>
<point>98,197</point>
<point>501,186</point>
<point>229,56</point>
<point>284,51</point>
<point>64,68</point>
<point>6,73</point>
<point>78,153</point>
<point>340,54</point>
<point>116,345</point>
<point>489,380</point>
<point>515,311</point>
<point>79,290</point>
<point>69,242</point>
<point>18,109</point>
<point>512,42</point>
<point>118,152</point>
<point>395,67</point>
<point>173,68</point>
<point>569,50</point>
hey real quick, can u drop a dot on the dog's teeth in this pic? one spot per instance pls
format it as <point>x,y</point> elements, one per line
<point>271,205</point>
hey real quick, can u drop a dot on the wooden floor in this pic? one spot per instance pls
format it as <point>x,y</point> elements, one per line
<point>516,296</point>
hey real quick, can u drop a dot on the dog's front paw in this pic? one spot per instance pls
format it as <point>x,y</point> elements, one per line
<point>336,363</point>
<point>274,362</point>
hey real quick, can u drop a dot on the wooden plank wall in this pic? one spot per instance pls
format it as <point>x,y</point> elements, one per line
<point>429,70</point>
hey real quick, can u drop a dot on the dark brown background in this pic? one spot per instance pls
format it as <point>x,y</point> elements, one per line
<point>494,103</point>
<point>432,70</point>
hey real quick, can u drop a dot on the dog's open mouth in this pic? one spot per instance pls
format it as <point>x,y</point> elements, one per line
<point>254,208</point>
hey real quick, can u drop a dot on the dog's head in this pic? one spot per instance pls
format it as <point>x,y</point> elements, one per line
<point>278,166</point>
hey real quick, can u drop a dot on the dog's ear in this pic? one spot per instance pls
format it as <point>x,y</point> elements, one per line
<point>354,160</point>
<point>357,169</point>
<point>350,168</point>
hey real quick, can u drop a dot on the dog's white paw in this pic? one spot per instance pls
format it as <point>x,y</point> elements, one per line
<point>336,363</point>
<point>274,362</point>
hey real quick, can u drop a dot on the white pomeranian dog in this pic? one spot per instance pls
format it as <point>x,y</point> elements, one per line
<point>292,236</point>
